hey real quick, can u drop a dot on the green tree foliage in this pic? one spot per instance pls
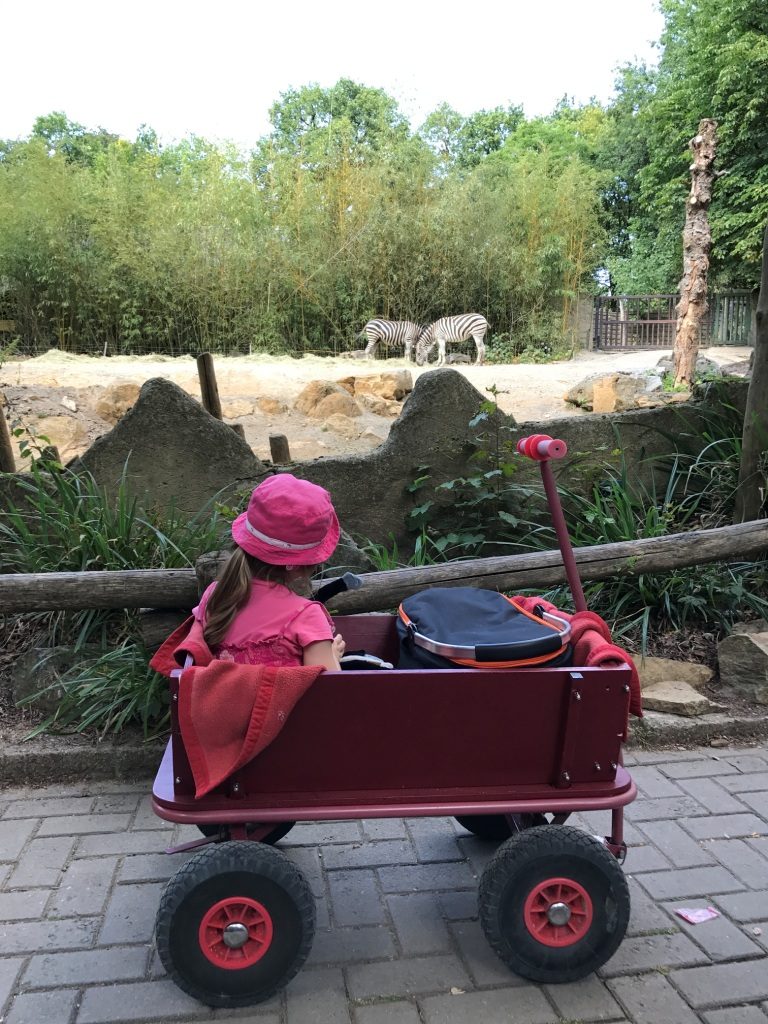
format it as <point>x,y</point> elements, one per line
<point>714,64</point>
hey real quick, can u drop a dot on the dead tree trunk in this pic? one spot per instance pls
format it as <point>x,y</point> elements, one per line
<point>750,492</point>
<point>697,239</point>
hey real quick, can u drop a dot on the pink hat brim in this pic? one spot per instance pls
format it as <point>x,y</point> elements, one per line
<point>272,555</point>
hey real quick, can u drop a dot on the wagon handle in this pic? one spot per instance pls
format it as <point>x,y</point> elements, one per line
<point>541,448</point>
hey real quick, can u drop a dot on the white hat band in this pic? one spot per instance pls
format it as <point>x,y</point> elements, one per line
<point>275,543</point>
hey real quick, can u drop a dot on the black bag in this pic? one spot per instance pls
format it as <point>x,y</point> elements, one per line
<point>466,627</point>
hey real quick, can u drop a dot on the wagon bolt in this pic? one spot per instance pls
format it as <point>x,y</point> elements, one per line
<point>597,766</point>
<point>175,696</point>
<point>566,777</point>
<point>614,766</point>
<point>626,687</point>
<point>559,914</point>
<point>235,935</point>
<point>576,695</point>
<point>236,787</point>
<point>177,780</point>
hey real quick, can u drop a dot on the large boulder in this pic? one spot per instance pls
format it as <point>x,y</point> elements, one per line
<point>392,386</point>
<point>172,451</point>
<point>743,661</point>
<point>673,686</point>
<point>612,392</point>
<point>115,401</point>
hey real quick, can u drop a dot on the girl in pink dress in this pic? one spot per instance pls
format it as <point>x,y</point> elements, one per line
<point>258,612</point>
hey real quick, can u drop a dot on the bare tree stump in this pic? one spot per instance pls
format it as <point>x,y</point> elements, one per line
<point>208,388</point>
<point>697,241</point>
<point>7,460</point>
<point>750,491</point>
<point>278,449</point>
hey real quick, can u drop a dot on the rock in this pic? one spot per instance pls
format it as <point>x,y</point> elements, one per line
<point>271,406</point>
<point>69,403</point>
<point>742,368</point>
<point>653,671</point>
<point>613,392</point>
<point>376,405</point>
<point>457,357</point>
<point>115,401</point>
<point>743,663</point>
<point>63,432</point>
<point>372,437</point>
<point>341,424</point>
<point>236,407</point>
<point>752,626</point>
<point>314,393</point>
<point>703,365</point>
<point>677,698</point>
<point>338,404</point>
<point>394,385</point>
<point>172,452</point>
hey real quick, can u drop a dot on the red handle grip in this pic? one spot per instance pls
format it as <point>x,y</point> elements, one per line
<point>541,447</point>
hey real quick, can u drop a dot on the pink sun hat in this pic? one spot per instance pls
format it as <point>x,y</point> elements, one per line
<point>288,522</point>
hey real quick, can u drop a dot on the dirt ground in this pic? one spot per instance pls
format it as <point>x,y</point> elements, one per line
<point>57,394</point>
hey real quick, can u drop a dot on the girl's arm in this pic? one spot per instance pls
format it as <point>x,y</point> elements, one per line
<point>325,653</point>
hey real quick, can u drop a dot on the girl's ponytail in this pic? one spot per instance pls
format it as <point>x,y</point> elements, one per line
<point>229,595</point>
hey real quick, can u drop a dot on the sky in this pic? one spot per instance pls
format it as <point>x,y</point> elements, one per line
<point>214,68</point>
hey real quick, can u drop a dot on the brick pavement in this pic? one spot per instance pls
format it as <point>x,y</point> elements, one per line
<point>398,941</point>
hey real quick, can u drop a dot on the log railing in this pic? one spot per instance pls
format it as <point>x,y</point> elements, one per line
<point>178,588</point>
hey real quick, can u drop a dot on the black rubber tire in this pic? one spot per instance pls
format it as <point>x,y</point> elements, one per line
<point>528,858</point>
<point>230,870</point>
<point>272,837</point>
<point>496,826</point>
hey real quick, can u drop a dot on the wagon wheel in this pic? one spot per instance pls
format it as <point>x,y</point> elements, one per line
<point>272,837</point>
<point>496,826</point>
<point>235,924</point>
<point>554,904</point>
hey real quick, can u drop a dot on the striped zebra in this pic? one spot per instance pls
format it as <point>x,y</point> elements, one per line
<point>452,329</point>
<point>398,332</point>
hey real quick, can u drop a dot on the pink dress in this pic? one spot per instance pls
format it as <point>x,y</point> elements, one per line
<point>273,628</point>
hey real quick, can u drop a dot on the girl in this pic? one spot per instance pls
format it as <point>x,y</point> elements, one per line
<point>258,612</point>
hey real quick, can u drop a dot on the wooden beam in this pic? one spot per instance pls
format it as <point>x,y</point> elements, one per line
<point>178,588</point>
<point>209,390</point>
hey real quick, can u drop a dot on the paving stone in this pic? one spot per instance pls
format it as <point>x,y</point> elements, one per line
<point>458,906</point>
<point>41,1008</point>
<point>718,984</point>
<point>425,877</point>
<point>385,828</point>
<point>758,802</point>
<point>116,803</point>
<point>32,936</point>
<point>26,905</point>
<point>719,938</point>
<point>746,783</point>
<point>645,858</point>
<point>678,846</point>
<point>672,885</point>
<point>712,795</point>
<point>13,838</point>
<point>348,945</point>
<point>47,970</point>
<point>741,860</point>
<point>501,1006</point>
<point>652,784</point>
<point>323,833</point>
<point>645,916</point>
<point>139,1001</point>
<point>646,952</point>
<point>477,851</point>
<point>148,867</point>
<point>744,906</point>
<point>667,807</point>
<point>10,969</point>
<point>586,1000</point>
<point>419,924</point>
<point>41,863</point>
<point>44,807</point>
<point>84,887</point>
<point>484,966</point>
<point>709,769</point>
<point>310,862</point>
<point>131,913</point>
<point>757,932</point>
<point>650,999</point>
<point>365,855</point>
<point>355,898</point>
<point>725,826</point>
<point>388,1013</point>
<point>445,826</point>
<point>736,1015</point>
<point>80,824</point>
<point>319,996</point>
<point>123,843</point>
<point>665,756</point>
<point>145,817</point>
<point>749,763</point>
<point>431,847</point>
<point>414,976</point>
<point>759,844</point>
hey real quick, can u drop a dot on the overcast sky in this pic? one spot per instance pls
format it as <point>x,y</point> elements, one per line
<point>214,68</point>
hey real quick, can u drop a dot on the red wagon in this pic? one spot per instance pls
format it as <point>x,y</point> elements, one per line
<point>497,749</point>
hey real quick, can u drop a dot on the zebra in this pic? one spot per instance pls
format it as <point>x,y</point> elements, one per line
<point>450,329</point>
<point>391,331</point>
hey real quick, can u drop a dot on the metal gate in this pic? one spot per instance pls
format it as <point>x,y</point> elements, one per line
<point>648,321</point>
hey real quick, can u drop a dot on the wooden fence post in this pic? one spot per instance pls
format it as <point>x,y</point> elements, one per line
<point>208,388</point>
<point>7,460</point>
<point>278,449</point>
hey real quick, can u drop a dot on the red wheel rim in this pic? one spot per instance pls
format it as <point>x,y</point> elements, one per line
<point>235,933</point>
<point>558,912</point>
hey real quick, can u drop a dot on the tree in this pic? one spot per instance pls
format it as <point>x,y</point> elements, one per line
<point>751,488</point>
<point>72,140</point>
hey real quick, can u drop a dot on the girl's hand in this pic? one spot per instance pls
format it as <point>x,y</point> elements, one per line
<point>339,646</point>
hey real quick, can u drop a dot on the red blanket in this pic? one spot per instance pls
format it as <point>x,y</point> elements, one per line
<point>591,639</point>
<point>227,713</point>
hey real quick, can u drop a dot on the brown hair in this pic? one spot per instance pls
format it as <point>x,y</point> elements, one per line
<point>232,591</point>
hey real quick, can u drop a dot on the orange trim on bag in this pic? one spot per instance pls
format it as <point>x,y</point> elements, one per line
<point>522,663</point>
<point>530,615</point>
